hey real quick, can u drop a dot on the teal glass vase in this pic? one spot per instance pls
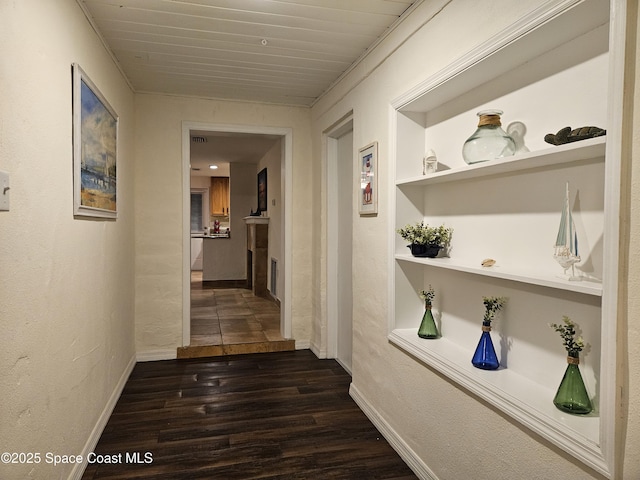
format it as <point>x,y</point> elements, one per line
<point>428,327</point>
<point>485,355</point>
<point>489,141</point>
<point>572,396</point>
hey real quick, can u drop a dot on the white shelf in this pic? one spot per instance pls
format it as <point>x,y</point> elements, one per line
<point>526,401</point>
<point>505,272</point>
<point>554,68</point>
<point>550,27</point>
<point>581,151</point>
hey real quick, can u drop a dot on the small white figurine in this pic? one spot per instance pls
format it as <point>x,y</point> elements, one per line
<point>429,163</point>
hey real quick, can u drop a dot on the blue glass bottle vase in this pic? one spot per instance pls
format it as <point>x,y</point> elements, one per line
<point>572,396</point>
<point>428,327</point>
<point>485,355</point>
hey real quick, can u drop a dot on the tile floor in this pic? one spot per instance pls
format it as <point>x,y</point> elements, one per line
<point>228,316</point>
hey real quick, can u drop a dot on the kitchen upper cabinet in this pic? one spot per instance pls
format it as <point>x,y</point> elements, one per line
<point>219,195</point>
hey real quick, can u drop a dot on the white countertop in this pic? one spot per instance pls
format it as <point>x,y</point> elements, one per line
<point>256,219</point>
<point>213,236</point>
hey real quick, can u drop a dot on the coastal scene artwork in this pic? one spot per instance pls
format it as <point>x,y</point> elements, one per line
<point>95,134</point>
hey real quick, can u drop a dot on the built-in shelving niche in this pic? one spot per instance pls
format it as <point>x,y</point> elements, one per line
<point>552,69</point>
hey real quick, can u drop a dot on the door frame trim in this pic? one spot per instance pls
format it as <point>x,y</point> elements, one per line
<point>331,137</point>
<point>286,233</point>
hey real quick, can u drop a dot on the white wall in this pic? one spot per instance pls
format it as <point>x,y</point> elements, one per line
<point>158,191</point>
<point>453,433</point>
<point>272,161</point>
<point>66,285</point>
<point>244,198</point>
<point>200,182</point>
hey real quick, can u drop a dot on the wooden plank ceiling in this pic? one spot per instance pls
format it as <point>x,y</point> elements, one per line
<point>276,51</point>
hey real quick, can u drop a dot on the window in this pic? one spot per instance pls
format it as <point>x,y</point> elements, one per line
<point>197,211</point>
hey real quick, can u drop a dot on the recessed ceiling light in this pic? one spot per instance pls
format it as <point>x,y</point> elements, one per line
<point>213,167</point>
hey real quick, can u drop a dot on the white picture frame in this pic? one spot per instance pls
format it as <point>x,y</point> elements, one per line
<point>368,187</point>
<point>95,145</point>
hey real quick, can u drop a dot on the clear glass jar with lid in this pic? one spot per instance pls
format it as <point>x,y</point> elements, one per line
<point>489,141</point>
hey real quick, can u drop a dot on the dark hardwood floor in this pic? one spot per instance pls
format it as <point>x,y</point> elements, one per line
<point>285,415</point>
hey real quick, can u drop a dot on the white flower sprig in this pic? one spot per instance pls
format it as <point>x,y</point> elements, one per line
<point>492,306</point>
<point>428,295</point>
<point>567,333</point>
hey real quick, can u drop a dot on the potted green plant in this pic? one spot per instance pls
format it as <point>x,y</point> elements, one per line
<point>425,241</point>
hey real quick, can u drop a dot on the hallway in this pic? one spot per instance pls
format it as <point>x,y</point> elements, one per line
<point>227,321</point>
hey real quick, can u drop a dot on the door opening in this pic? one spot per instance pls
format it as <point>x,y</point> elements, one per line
<point>283,225</point>
<point>341,205</point>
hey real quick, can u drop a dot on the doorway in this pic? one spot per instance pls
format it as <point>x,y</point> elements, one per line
<point>284,229</point>
<point>340,207</point>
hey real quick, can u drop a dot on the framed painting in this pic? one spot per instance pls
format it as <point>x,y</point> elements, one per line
<point>95,143</point>
<point>368,159</point>
<point>262,191</point>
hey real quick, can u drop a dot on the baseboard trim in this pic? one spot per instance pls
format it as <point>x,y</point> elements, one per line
<point>153,355</point>
<point>94,437</point>
<point>303,345</point>
<point>273,298</point>
<point>410,457</point>
<point>240,283</point>
<point>317,350</point>
<point>346,367</point>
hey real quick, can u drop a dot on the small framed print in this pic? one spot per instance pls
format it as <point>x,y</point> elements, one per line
<point>368,159</point>
<point>95,140</point>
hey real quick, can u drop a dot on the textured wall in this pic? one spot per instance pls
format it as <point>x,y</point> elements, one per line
<point>66,285</point>
<point>454,433</point>
<point>158,191</point>
<point>272,161</point>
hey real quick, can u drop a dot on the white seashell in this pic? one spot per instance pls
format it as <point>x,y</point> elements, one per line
<point>488,262</point>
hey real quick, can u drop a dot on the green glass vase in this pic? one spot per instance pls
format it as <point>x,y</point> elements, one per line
<point>428,327</point>
<point>572,396</point>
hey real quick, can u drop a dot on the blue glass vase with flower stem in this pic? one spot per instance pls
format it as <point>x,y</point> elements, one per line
<point>572,396</point>
<point>485,356</point>
<point>428,327</point>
